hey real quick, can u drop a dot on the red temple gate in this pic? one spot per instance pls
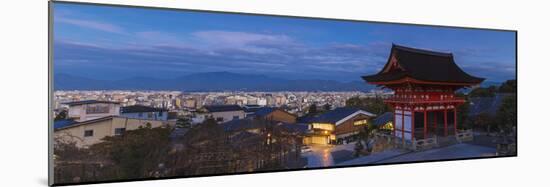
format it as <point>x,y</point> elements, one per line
<point>424,84</point>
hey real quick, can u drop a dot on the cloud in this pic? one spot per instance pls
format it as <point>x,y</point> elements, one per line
<point>240,38</point>
<point>170,54</point>
<point>96,25</point>
<point>246,41</point>
<point>238,52</point>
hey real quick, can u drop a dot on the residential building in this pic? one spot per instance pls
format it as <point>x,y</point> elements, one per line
<point>275,114</point>
<point>249,110</point>
<point>144,112</point>
<point>224,113</point>
<point>190,103</point>
<point>336,126</point>
<point>90,132</point>
<point>91,109</point>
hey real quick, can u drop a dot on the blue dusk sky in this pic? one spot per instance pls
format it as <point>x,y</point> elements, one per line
<point>109,43</point>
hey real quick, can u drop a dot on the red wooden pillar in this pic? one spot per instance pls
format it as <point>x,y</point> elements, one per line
<point>403,124</point>
<point>394,120</point>
<point>445,118</point>
<point>412,124</point>
<point>455,119</point>
<point>425,123</point>
<point>435,120</point>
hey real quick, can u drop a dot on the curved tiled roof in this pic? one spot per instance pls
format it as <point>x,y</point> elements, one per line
<point>423,65</point>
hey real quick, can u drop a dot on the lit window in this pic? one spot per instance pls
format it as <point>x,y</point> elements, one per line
<point>360,122</point>
<point>388,126</point>
<point>323,126</point>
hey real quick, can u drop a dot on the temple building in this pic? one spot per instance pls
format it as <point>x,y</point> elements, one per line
<point>424,84</point>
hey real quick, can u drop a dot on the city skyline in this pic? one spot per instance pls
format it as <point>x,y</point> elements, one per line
<point>140,93</point>
<point>107,43</point>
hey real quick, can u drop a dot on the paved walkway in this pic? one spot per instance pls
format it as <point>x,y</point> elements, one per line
<point>319,156</point>
<point>373,158</point>
<point>456,151</point>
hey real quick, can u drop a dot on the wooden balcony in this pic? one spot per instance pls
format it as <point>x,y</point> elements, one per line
<point>395,100</point>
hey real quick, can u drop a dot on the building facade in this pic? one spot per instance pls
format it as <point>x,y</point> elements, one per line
<point>337,126</point>
<point>91,109</point>
<point>224,113</point>
<point>275,114</point>
<point>90,132</point>
<point>144,112</point>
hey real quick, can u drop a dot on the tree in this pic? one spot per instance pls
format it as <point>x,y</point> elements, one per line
<point>484,120</point>
<point>205,147</point>
<point>66,150</point>
<point>462,113</point>
<point>358,149</point>
<point>327,107</point>
<point>367,135</point>
<point>137,152</point>
<point>506,115</point>
<point>208,131</point>
<point>483,92</point>
<point>61,115</point>
<point>510,86</point>
<point>312,110</point>
<point>375,105</point>
<point>183,122</point>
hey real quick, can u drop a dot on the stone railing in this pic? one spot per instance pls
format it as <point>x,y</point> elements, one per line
<point>464,135</point>
<point>423,144</point>
<point>417,144</point>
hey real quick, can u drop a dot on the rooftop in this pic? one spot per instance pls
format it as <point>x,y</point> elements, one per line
<point>241,124</point>
<point>63,123</point>
<point>222,108</point>
<point>299,128</point>
<point>422,65</point>
<point>383,119</point>
<point>251,108</point>
<point>140,108</point>
<point>337,114</point>
<point>264,111</point>
<point>85,102</point>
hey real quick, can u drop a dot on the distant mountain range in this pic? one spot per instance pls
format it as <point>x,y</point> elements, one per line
<point>490,83</point>
<point>212,81</point>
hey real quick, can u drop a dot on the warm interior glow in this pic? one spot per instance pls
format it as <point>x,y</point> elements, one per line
<point>323,126</point>
<point>360,122</point>
<point>388,126</point>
